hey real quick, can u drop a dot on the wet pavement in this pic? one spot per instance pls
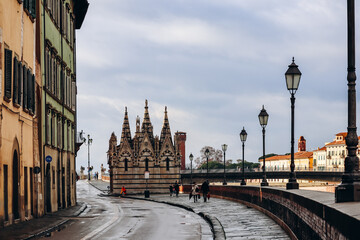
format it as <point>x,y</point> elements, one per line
<point>122,218</point>
<point>98,216</point>
<point>238,220</point>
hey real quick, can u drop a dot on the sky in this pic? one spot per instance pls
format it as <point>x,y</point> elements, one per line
<point>213,63</point>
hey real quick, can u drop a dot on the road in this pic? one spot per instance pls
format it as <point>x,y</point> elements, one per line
<point>119,218</point>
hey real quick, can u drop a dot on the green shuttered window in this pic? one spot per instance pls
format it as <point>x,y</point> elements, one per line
<point>8,68</point>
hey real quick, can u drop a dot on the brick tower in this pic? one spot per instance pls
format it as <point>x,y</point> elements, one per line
<point>181,138</point>
<point>301,144</point>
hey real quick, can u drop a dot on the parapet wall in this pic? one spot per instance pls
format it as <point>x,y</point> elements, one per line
<point>303,214</point>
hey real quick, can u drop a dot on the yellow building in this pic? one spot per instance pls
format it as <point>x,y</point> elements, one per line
<point>18,116</point>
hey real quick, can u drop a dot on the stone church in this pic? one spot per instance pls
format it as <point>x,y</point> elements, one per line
<point>160,157</point>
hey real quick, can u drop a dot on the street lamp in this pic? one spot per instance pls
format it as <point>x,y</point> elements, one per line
<point>207,153</point>
<point>88,143</point>
<point>224,147</point>
<point>292,77</point>
<point>243,136</point>
<point>349,189</point>
<point>263,118</point>
<point>191,157</point>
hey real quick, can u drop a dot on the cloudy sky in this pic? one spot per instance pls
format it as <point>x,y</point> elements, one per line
<point>213,63</point>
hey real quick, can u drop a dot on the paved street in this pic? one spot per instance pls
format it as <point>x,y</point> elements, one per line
<point>119,218</point>
<point>238,221</point>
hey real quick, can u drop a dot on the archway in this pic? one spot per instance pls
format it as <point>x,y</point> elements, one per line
<point>16,184</point>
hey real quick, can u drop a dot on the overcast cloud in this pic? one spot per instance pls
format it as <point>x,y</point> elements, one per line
<point>213,64</point>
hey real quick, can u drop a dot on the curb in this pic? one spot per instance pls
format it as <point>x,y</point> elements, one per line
<point>47,231</point>
<point>215,225</point>
<point>57,226</point>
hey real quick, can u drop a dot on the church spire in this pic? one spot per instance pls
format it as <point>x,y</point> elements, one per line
<point>126,134</point>
<point>146,125</point>
<point>165,131</point>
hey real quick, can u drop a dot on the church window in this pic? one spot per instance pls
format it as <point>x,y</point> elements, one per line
<point>126,164</point>
<point>167,164</point>
<point>146,164</point>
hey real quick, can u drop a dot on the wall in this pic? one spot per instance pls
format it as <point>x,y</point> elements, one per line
<point>301,216</point>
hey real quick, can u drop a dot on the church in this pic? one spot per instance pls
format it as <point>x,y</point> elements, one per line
<point>144,161</point>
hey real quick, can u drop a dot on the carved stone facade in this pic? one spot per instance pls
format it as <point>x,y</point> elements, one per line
<point>129,160</point>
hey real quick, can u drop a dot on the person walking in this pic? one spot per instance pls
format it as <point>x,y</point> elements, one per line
<point>205,189</point>
<point>176,187</point>
<point>195,191</point>
<point>123,191</point>
<point>171,190</point>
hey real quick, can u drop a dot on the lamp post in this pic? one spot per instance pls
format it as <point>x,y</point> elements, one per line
<point>224,147</point>
<point>263,119</point>
<point>349,189</point>
<point>207,153</point>
<point>89,142</point>
<point>191,157</point>
<point>292,77</point>
<point>243,136</point>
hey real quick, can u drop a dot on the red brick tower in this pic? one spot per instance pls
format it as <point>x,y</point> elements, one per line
<point>301,144</point>
<point>181,137</point>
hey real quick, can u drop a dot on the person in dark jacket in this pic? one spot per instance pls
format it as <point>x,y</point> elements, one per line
<point>205,189</point>
<point>176,187</point>
<point>171,188</point>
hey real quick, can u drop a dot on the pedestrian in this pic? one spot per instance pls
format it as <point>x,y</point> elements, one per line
<point>195,191</point>
<point>176,187</point>
<point>205,189</point>
<point>171,190</point>
<point>123,190</point>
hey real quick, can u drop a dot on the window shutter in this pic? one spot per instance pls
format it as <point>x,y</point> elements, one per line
<point>26,4</point>
<point>29,78</point>
<point>33,93</point>
<point>15,81</point>
<point>8,65</point>
<point>20,81</point>
<point>33,8</point>
<point>25,87</point>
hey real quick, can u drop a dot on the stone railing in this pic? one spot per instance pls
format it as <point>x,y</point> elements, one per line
<point>303,214</point>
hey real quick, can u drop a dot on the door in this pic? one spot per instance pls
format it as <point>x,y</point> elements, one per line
<point>48,188</point>
<point>15,195</point>
<point>6,197</point>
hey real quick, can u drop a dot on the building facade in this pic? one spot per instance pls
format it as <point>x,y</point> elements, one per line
<point>58,20</point>
<point>303,159</point>
<point>133,157</point>
<point>38,106</point>
<point>18,115</point>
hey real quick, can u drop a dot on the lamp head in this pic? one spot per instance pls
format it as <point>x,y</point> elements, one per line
<point>263,117</point>
<point>243,135</point>
<point>292,77</point>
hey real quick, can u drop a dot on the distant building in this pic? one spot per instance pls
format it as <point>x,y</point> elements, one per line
<point>161,157</point>
<point>303,160</point>
<point>320,159</point>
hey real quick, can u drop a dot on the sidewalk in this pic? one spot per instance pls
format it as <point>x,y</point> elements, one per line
<point>42,226</point>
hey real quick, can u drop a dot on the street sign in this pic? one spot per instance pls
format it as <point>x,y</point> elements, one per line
<point>48,158</point>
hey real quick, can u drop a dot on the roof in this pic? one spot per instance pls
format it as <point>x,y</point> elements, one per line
<point>80,9</point>
<point>320,149</point>
<point>297,155</point>
<point>344,134</point>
